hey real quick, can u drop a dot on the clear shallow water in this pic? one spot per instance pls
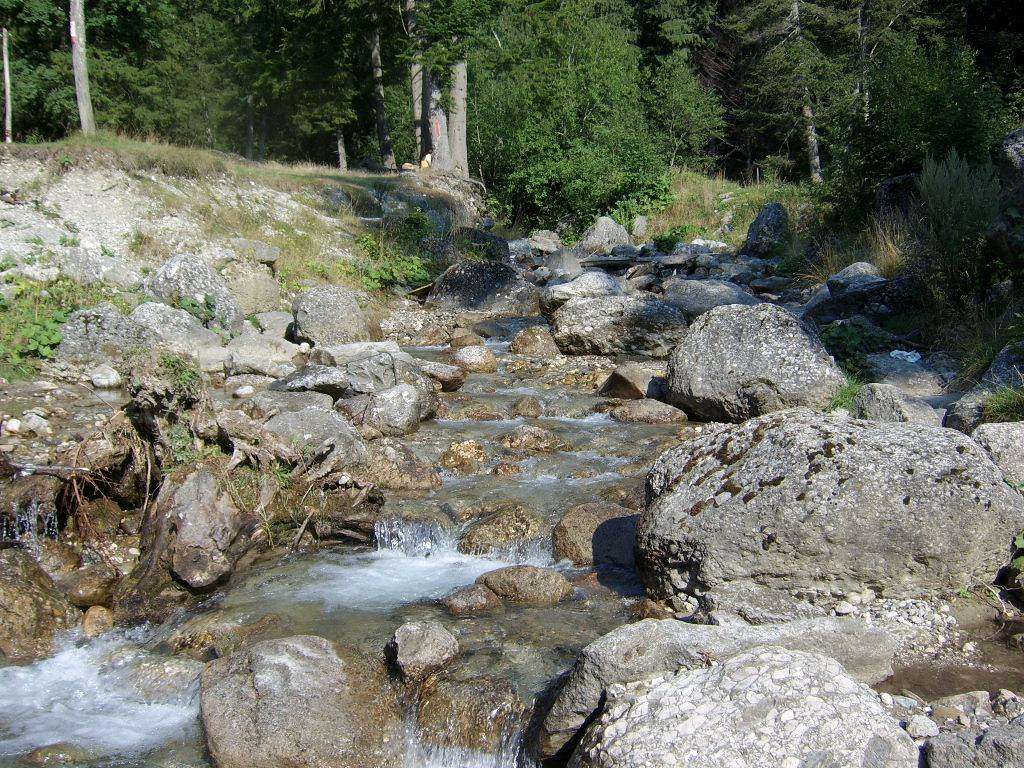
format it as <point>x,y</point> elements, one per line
<point>86,695</point>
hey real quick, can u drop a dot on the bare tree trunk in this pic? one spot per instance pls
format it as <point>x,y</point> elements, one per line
<point>863,29</point>
<point>457,120</point>
<point>813,151</point>
<point>80,64</point>
<point>261,148</point>
<point>342,154</point>
<point>7,92</point>
<point>416,82</point>
<point>441,152</point>
<point>387,150</point>
<point>250,130</point>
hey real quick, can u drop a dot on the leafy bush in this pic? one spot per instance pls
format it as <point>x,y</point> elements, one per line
<point>668,240</point>
<point>205,311</point>
<point>394,254</point>
<point>850,342</point>
<point>959,203</point>
<point>1006,405</point>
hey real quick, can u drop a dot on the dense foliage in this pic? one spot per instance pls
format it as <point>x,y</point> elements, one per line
<point>574,106</point>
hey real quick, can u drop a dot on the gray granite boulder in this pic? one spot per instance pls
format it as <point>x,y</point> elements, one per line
<point>332,314</point>
<point>1004,442</point>
<point>1007,370</point>
<point>737,362</point>
<point>695,297</point>
<point>635,324</point>
<point>887,402</point>
<point>768,232</point>
<point>490,286</point>
<point>99,334</point>
<point>185,281</point>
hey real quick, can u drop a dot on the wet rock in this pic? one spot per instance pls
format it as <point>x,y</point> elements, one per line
<point>635,381</point>
<point>1004,442</point>
<point>534,342</point>
<point>738,362</point>
<point>298,701</point>
<point>473,600</point>
<point>1007,370</point>
<point>508,528</point>
<point>97,620</point>
<point>596,534</point>
<point>89,585</point>
<point>419,647</point>
<point>58,557</point>
<point>185,278</point>
<point>61,753</point>
<point>104,377</point>
<point>528,407</point>
<point>911,510</point>
<point>465,456</point>
<point>392,465</point>
<point>648,411</point>
<point>527,585</point>
<point>589,285</point>
<point>657,647</point>
<point>601,237</point>
<point>332,314</point>
<point>100,333</point>
<point>769,232</point>
<point>475,359</point>
<point>32,609</point>
<point>695,297</point>
<point>449,377</point>
<point>461,337</point>
<point>618,324</point>
<point>533,439</point>
<point>886,402</point>
<point>483,714</point>
<point>1000,746</point>
<point>314,427</point>
<point>753,710</point>
<point>494,287</point>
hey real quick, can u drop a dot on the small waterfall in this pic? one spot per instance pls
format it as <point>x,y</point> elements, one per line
<point>24,527</point>
<point>414,538</point>
<point>421,754</point>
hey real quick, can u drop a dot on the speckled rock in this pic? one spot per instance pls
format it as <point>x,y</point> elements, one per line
<point>32,609</point>
<point>648,411</point>
<point>596,533</point>
<point>768,232</point>
<point>737,362</point>
<point>419,647</point>
<point>299,702</point>
<point>490,286</point>
<point>527,584</point>
<point>795,500</point>
<point>1001,746</point>
<point>333,314</point>
<point>1004,442</point>
<point>634,324</point>
<point>472,600</point>
<point>887,402</point>
<point>176,329</point>
<point>478,359</point>
<point>100,333</point>
<point>535,341</point>
<point>695,297</point>
<point>764,707</point>
<point>464,456</point>
<point>185,278</point>
<point>533,439</point>
<point>601,236</point>
<point>656,647</point>
<point>508,528</point>
<point>589,285</point>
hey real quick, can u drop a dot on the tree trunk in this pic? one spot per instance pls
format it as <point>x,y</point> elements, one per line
<point>457,121</point>
<point>387,151</point>
<point>250,129</point>
<point>440,152</point>
<point>416,82</point>
<point>80,64</point>
<point>342,154</point>
<point>7,92</point>
<point>813,152</point>
<point>863,30</point>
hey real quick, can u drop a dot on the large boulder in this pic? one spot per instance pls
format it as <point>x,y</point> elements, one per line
<point>481,714</point>
<point>657,647</point>
<point>490,286</point>
<point>1004,442</point>
<point>768,232</point>
<point>314,427</point>
<point>297,702</point>
<point>887,402</point>
<point>527,584</point>
<point>332,314</point>
<point>589,285</point>
<point>395,411</point>
<point>601,236</point>
<point>188,282</point>
<point>1000,746</point>
<point>349,370</point>
<point>176,329</point>
<point>1007,370</point>
<point>596,533</point>
<point>695,297</point>
<point>861,293</point>
<point>765,707</point>
<point>32,609</point>
<point>739,361</point>
<point>535,341</point>
<point>101,333</point>
<point>507,527</point>
<point>801,502</point>
<point>640,325</point>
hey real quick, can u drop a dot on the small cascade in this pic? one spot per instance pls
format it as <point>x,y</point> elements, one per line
<point>413,538</point>
<point>24,526</point>
<point>420,753</point>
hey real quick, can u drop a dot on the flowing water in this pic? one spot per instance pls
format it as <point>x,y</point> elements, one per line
<point>87,700</point>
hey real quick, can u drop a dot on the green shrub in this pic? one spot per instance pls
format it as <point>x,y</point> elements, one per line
<point>1005,405</point>
<point>959,203</point>
<point>847,394</point>
<point>394,254</point>
<point>850,343</point>
<point>668,240</point>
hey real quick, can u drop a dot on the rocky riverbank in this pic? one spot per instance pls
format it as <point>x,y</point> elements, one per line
<point>594,505</point>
